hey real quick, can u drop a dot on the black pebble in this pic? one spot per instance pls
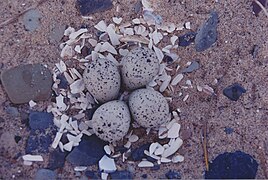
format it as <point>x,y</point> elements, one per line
<point>17,138</point>
<point>91,175</point>
<point>187,39</point>
<point>87,7</point>
<point>63,82</point>
<point>89,112</point>
<point>56,159</point>
<point>121,149</point>
<point>207,33</point>
<point>234,91</point>
<point>228,130</point>
<point>121,175</point>
<point>237,165</point>
<point>144,176</point>
<point>255,50</point>
<point>173,175</point>
<point>88,152</point>
<point>167,59</point>
<point>138,153</point>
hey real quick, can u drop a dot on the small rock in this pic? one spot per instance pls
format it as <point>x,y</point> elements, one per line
<point>27,82</point>
<point>88,152</point>
<point>91,175</point>
<point>56,34</point>
<point>63,82</point>
<point>207,33</point>
<point>17,139</point>
<point>31,20</point>
<point>121,175</point>
<point>256,8</point>
<point>237,165</point>
<point>138,7</point>
<point>40,120</point>
<point>234,92</point>
<point>107,165</point>
<point>56,159</point>
<point>173,175</point>
<point>13,111</point>
<point>228,130</point>
<point>144,176</point>
<point>194,66</point>
<point>156,167</point>
<point>87,7</point>
<point>187,39</point>
<point>138,153</point>
<point>44,174</point>
<point>255,50</point>
<point>167,59</point>
<point>121,149</point>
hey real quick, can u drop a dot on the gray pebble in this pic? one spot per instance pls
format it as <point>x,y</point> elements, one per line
<point>207,33</point>
<point>44,174</point>
<point>13,111</point>
<point>194,66</point>
<point>31,20</point>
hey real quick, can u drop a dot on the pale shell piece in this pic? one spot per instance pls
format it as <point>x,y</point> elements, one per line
<point>159,150</point>
<point>107,164</point>
<point>73,70</point>
<point>68,31</point>
<point>157,37</point>
<point>92,42</point>
<point>153,147</point>
<point>177,79</point>
<point>124,25</point>
<point>83,126</point>
<point>123,52</point>
<point>67,52</point>
<point>74,35</point>
<point>146,5</point>
<point>139,39</point>
<point>133,138</point>
<point>177,158</point>
<point>173,132</point>
<point>139,30</point>
<point>61,146</point>
<point>112,35</point>
<point>77,86</point>
<point>86,132</point>
<point>165,84</point>
<point>68,146</point>
<point>111,58</point>
<point>170,124</point>
<point>188,25</point>
<point>32,103</point>
<point>152,83</point>
<point>129,31</point>
<point>117,20</point>
<point>151,155</point>
<point>173,148</point>
<point>108,47</point>
<point>166,146</point>
<point>107,149</point>
<point>127,145</point>
<point>150,45</point>
<point>199,88</point>
<point>165,160</point>
<point>95,55</point>
<point>75,139</point>
<point>29,157</point>
<point>180,26</point>
<point>60,104</point>
<point>173,40</point>
<point>27,163</point>
<point>77,49</point>
<point>61,66</point>
<point>101,26</point>
<point>145,164</point>
<point>104,176</point>
<point>208,90</point>
<point>97,47</point>
<point>185,98</point>
<point>168,27</point>
<point>162,132</point>
<point>159,54</point>
<point>56,140</point>
<point>68,78</point>
<point>80,168</point>
<point>188,82</point>
<point>136,21</point>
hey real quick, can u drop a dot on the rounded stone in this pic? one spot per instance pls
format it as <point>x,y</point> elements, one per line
<point>139,67</point>
<point>102,80</point>
<point>111,121</point>
<point>149,108</point>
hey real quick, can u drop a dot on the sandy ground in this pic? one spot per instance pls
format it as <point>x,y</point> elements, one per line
<point>228,61</point>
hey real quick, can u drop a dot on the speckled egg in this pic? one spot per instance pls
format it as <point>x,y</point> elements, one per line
<point>139,67</point>
<point>111,121</point>
<point>149,108</point>
<point>102,79</point>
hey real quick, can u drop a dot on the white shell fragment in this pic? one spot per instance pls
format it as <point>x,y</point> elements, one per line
<point>80,168</point>
<point>117,20</point>
<point>29,157</point>
<point>177,158</point>
<point>145,164</point>
<point>101,26</point>
<point>173,148</point>
<point>133,138</point>
<point>107,149</point>
<point>107,164</point>
<point>56,140</point>
<point>177,79</point>
<point>173,132</point>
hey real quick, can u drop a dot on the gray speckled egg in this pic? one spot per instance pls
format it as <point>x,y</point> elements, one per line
<point>139,67</point>
<point>111,121</point>
<point>102,79</point>
<point>149,108</point>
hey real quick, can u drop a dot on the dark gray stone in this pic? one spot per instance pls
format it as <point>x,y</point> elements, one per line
<point>88,152</point>
<point>87,7</point>
<point>56,159</point>
<point>121,175</point>
<point>13,111</point>
<point>173,175</point>
<point>40,120</point>
<point>234,92</point>
<point>207,33</point>
<point>56,33</point>
<point>138,153</point>
<point>31,20</point>
<point>27,82</point>
<point>194,66</point>
<point>45,174</point>
<point>187,39</point>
